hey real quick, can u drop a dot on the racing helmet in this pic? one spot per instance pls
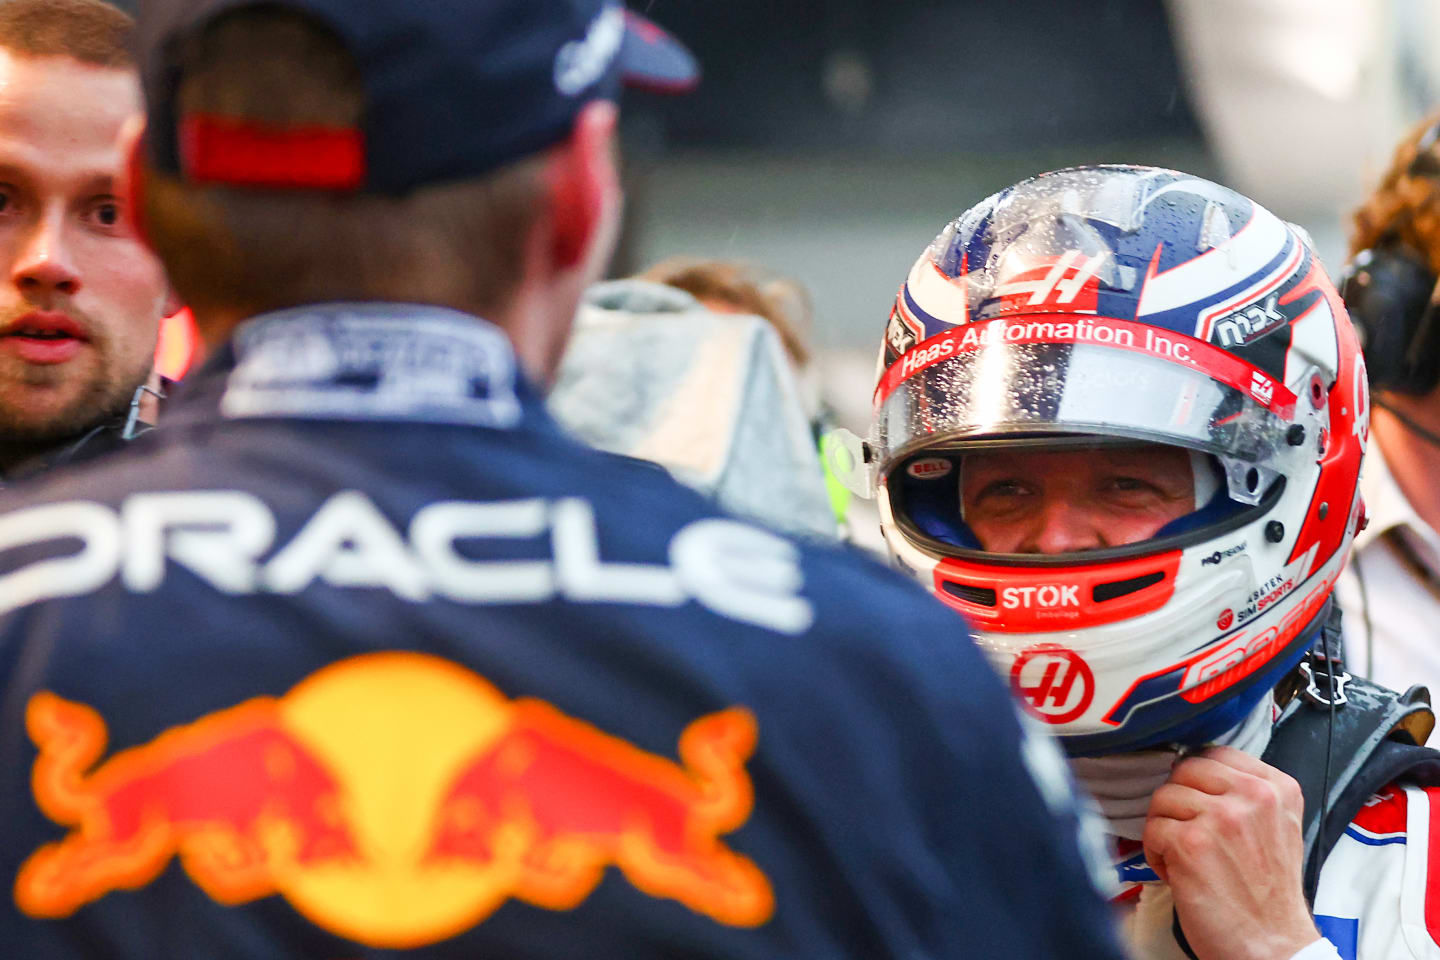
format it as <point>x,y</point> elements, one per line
<point>1152,312</point>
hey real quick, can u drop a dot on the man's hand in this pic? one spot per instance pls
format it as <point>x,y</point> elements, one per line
<point>1225,833</point>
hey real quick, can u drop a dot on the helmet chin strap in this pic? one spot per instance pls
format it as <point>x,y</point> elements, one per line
<point>1428,436</point>
<point>1123,782</point>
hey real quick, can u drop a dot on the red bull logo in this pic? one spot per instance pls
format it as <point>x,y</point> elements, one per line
<point>396,799</point>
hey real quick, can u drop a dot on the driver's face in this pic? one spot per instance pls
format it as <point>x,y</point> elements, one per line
<point>1059,501</point>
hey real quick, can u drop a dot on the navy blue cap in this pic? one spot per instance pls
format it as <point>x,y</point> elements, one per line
<point>454,89</point>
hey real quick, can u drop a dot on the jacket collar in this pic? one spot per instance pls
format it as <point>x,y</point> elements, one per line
<point>110,435</point>
<point>362,362</point>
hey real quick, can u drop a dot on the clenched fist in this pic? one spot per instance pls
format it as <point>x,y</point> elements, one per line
<point>1225,833</point>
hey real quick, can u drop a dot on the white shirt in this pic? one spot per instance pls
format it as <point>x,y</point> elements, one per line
<point>1392,609</point>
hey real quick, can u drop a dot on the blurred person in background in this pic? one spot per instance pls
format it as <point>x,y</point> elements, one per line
<point>1120,427</point>
<point>1391,591</point>
<point>81,308</point>
<point>363,655</point>
<point>727,286</point>
<point>701,367</point>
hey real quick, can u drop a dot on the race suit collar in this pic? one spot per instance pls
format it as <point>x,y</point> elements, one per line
<point>1122,783</point>
<point>57,455</point>
<point>111,434</point>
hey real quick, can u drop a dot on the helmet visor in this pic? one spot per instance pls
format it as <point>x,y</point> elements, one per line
<point>1087,376</point>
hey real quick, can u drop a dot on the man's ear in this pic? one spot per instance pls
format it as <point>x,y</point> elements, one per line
<point>583,182</point>
<point>133,182</point>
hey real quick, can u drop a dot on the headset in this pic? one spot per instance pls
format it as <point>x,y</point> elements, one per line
<point>1391,297</point>
<point>1394,302</point>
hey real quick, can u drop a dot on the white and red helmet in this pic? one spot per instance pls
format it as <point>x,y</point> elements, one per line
<point>1108,304</point>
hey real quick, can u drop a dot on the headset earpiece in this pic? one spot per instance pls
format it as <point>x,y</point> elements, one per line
<point>1389,293</point>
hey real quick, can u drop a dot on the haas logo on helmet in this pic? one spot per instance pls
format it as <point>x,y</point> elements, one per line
<point>1054,682</point>
<point>1262,388</point>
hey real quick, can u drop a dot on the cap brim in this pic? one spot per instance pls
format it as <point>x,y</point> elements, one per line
<point>651,59</point>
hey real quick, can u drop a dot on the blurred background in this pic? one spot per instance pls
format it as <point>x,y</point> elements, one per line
<point>830,139</point>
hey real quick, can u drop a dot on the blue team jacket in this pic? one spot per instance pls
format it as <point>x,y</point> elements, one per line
<point>361,656</point>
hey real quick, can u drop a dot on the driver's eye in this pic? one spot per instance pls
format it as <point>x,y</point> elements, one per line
<point>1002,488</point>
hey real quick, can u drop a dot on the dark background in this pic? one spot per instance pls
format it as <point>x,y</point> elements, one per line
<point>831,139</point>
<point>892,78</point>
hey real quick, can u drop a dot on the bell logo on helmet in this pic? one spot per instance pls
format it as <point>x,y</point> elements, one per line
<point>931,468</point>
<point>1054,682</point>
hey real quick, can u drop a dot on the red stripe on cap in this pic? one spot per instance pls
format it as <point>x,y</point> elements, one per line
<point>646,30</point>
<point>221,150</point>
